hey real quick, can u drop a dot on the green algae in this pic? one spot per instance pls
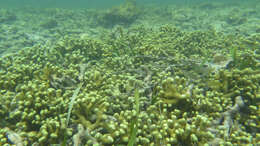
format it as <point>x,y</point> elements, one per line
<point>133,124</point>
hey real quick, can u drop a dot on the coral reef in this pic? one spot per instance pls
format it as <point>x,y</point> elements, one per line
<point>49,24</point>
<point>139,86</point>
<point>125,14</point>
<point>7,16</point>
<point>235,18</point>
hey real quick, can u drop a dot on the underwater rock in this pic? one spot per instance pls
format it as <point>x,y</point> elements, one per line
<point>49,24</point>
<point>124,14</point>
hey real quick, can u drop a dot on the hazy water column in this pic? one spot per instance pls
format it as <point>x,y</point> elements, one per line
<point>60,3</point>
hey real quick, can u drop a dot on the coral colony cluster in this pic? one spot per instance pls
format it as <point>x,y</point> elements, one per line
<point>135,86</point>
<point>162,84</point>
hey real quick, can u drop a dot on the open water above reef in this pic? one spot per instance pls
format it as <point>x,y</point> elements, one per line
<point>23,23</point>
<point>104,3</point>
<point>144,72</point>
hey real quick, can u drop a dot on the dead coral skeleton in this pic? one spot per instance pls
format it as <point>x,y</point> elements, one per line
<point>82,133</point>
<point>14,137</point>
<point>64,82</point>
<point>225,121</point>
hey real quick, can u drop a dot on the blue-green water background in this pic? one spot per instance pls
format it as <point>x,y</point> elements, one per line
<point>99,3</point>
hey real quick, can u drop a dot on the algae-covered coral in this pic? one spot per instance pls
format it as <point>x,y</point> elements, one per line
<point>164,79</point>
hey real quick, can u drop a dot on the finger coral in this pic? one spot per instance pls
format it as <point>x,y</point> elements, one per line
<point>132,87</point>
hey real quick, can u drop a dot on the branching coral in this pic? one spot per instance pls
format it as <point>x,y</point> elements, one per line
<point>155,77</point>
<point>172,94</point>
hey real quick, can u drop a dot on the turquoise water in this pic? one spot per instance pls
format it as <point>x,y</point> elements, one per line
<point>102,3</point>
<point>60,3</point>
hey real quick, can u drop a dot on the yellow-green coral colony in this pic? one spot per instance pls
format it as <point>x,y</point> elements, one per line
<point>178,104</point>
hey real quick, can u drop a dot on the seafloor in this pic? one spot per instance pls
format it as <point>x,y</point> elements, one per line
<point>175,75</point>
